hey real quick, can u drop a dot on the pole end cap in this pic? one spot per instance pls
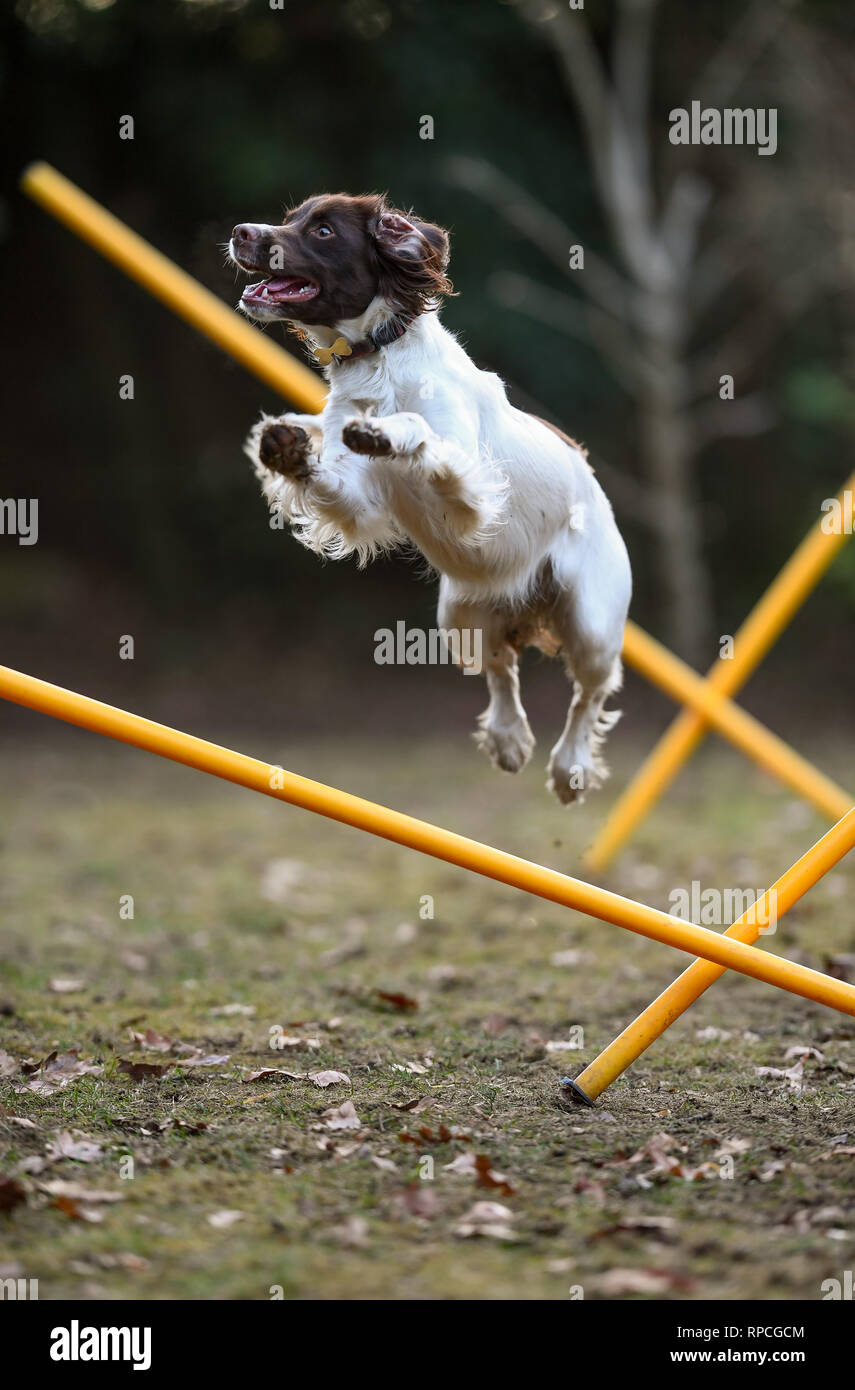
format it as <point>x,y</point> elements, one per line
<point>576,1093</point>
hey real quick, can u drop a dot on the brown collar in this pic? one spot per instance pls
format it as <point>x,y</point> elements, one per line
<point>343,351</point>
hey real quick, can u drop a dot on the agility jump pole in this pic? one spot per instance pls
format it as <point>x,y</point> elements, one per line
<point>378,820</point>
<point>764,624</point>
<point>180,292</point>
<point>174,287</point>
<point>745,732</point>
<point>679,996</point>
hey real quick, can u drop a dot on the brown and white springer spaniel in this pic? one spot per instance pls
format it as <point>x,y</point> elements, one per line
<point>416,445</point>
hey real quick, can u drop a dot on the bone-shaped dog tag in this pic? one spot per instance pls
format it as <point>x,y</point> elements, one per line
<point>340,348</point>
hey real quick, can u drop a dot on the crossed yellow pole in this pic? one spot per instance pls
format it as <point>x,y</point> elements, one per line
<point>761,628</point>
<point>708,702</point>
<point>693,982</point>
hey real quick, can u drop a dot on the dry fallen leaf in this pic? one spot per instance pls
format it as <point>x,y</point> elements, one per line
<point>414,1068</point>
<point>659,1227</point>
<point>32,1164</point>
<point>666,1163</point>
<point>154,1042</point>
<point>494,1025</point>
<point>443,976</point>
<point>592,1191</point>
<point>274,1074</point>
<point>397,1001</point>
<point>619,1281</point>
<point>280,877</point>
<point>417,1104</point>
<point>80,1192</point>
<point>221,1220</point>
<point>794,1076</point>
<point>732,1146</point>
<point>488,1178</point>
<point>771,1169</point>
<point>486,1219</point>
<point>342,1117</point>
<point>808,1219</point>
<point>77,1211</point>
<point>138,1071</point>
<point>443,1135</point>
<point>352,1233</point>
<point>658,1149</point>
<point>134,960</point>
<point>76,1146</point>
<point>280,1040</point>
<point>418,1199</point>
<point>209,1059</point>
<point>464,1163</point>
<point>121,1259</point>
<point>803,1052</point>
<point>317,1078</point>
<point>12,1193</point>
<point>55,1072</point>
<point>568,958</point>
<point>725,1034</point>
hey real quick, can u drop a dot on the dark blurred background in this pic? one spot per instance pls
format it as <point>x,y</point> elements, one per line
<point>699,262</point>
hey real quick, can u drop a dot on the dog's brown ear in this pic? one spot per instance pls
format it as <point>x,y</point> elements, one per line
<point>413,257</point>
<point>403,238</point>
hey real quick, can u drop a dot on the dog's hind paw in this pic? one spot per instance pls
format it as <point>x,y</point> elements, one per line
<point>508,749</point>
<point>570,782</point>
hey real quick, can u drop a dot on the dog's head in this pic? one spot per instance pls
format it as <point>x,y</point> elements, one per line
<point>334,254</point>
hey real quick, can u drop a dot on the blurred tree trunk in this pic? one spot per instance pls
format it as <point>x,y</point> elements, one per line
<point>640,313</point>
<point>667,456</point>
<point>656,242</point>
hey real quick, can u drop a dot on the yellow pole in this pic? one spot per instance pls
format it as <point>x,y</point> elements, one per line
<point>179,291</point>
<point>691,984</point>
<point>761,628</point>
<point>677,679</point>
<point>443,844</point>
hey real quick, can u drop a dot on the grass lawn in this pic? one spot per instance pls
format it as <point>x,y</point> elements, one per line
<point>248,915</point>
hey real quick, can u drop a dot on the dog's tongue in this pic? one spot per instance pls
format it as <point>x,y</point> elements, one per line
<point>285,286</point>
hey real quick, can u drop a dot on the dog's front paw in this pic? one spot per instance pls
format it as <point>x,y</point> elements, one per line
<point>362,437</point>
<point>285,449</point>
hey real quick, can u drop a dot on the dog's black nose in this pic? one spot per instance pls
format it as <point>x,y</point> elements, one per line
<point>247,231</point>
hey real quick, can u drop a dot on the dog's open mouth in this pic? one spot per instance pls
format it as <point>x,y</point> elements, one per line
<point>288,289</point>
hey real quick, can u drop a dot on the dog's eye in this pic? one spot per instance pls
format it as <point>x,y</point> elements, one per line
<point>323,230</point>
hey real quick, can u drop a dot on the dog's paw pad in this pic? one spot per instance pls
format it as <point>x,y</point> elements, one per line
<point>571,783</point>
<point>508,749</point>
<point>283,449</point>
<point>361,437</point>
